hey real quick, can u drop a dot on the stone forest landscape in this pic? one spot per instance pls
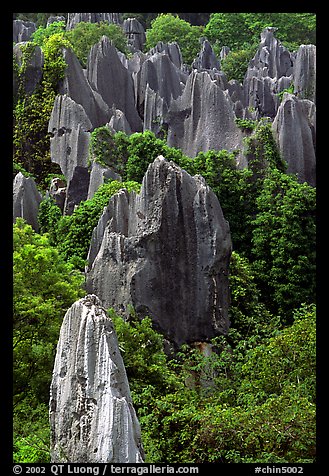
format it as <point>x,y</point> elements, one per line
<point>164,223</point>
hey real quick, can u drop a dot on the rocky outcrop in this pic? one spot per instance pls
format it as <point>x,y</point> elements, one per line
<point>271,62</point>
<point>70,130</point>
<point>206,59</point>
<point>76,85</point>
<point>135,33</point>
<point>305,72</point>
<point>202,118</point>
<point>91,412</point>
<point>166,252</point>
<point>172,50</point>
<point>294,130</point>
<point>77,190</point>
<point>33,68</point>
<point>107,75</point>
<point>74,18</point>
<point>26,200</point>
<point>57,191</point>
<point>22,30</point>
<point>98,175</point>
<point>162,76</point>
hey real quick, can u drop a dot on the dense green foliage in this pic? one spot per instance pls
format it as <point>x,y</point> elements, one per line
<point>45,286</point>
<point>253,398</point>
<point>231,406</point>
<point>168,28</point>
<point>237,30</point>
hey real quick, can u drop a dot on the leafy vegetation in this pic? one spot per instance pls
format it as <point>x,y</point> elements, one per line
<point>253,398</point>
<point>45,286</point>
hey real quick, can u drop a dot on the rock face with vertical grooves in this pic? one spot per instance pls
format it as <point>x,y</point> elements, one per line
<point>26,200</point>
<point>202,118</point>
<point>70,128</point>
<point>294,130</point>
<point>305,72</point>
<point>166,252</point>
<point>91,412</point>
<point>108,76</point>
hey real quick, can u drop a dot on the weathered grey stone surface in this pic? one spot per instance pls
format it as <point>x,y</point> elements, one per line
<point>57,191</point>
<point>202,118</point>
<point>294,130</point>
<point>74,18</point>
<point>22,30</point>
<point>98,174</point>
<point>162,76</point>
<point>77,189</point>
<point>26,200</point>
<point>76,86</point>
<point>107,75</point>
<point>33,69</point>
<point>135,33</point>
<point>305,72</point>
<point>166,252</point>
<point>224,52</point>
<point>70,129</point>
<point>155,109</point>
<point>271,62</point>
<point>91,412</point>
<point>172,50</point>
<point>206,59</point>
<point>118,122</point>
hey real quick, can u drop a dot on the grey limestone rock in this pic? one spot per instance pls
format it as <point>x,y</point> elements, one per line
<point>77,189</point>
<point>92,417</point>
<point>74,18</point>
<point>22,30</point>
<point>294,130</point>
<point>166,252</point>
<point>271,62</point>
<point>98,175</point>
<point>206,59</point>
<point>76,85</point>
<point>202,118</point>
<point>305,72</point>
<point>26,200</point>
<point>108,76</point>
<point>57,191</point>
<point>70,129</point>
<point>33,69</point>
<point>172,50</point>
<point>155,109</point>
<point>162,76</point>
<point>118,122</point>
<point>135,33</point>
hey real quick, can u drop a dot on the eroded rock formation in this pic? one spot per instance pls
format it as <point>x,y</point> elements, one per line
<point>166,252</point>
<point>91,412</point>
<point>202,118</point>
<point>294,130</point>
<point>26,200</point>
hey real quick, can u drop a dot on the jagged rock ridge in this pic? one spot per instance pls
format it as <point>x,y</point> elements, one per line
<point>166,252</point>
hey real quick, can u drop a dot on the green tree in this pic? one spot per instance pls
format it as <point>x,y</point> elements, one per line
<point>283,243</point>
<point>45,286</point>
<point>85,35</point>
<point>168,28</point>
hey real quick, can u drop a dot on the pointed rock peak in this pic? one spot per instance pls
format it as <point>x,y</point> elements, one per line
<point>91,413</point>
